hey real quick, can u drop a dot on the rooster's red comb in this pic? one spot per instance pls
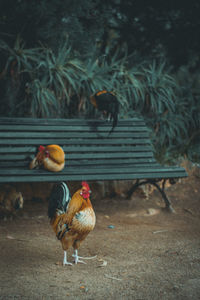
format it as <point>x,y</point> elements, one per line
<point>41,148</point>
<point>85,185</point>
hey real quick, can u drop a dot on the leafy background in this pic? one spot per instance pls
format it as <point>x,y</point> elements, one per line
<point>54,54</point>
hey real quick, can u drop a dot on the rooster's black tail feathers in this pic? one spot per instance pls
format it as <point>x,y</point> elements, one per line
<point>59,199</point>
<point>114,116</point>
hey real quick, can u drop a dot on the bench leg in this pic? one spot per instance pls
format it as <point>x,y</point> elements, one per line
<point>134,187</point>
<point>168,204</point>
<point>161,190</point>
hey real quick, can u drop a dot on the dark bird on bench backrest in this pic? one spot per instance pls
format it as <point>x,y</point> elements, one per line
<point>107,103</point>
<point>73,218</point>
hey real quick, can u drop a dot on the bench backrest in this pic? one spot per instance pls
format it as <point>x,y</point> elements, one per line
<point>91,153</point>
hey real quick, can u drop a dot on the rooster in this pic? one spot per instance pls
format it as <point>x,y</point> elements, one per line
<point>51,157</point>
<point>72,219</point>
<point>107,103</point>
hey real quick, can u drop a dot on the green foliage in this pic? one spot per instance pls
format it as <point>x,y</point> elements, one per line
<point>40,99</point>
<point>188,104</point>
<point>61,71</point>
<point>19,58</point>
<point>43,77</point>
<point>20,65</point>
<point>170,106</point>
<point>42,82</point>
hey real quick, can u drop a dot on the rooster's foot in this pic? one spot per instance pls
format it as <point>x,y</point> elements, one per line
<point>77,258</point>
<point>65,263</point>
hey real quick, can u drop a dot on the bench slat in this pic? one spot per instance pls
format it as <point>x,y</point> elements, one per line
<point>101,169</point>
<point>38,128</point>
<point>71,135</point>
<point>73,177</point>
<point>100,141</point>
<point>119,161</point>
<point>92,155</point>
<point>78,148</point>
<point>68,122</point>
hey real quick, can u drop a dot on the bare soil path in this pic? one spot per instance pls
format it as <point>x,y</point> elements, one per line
<point>142,251</point>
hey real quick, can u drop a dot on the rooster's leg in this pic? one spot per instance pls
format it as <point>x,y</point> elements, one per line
<point>77,258</point>
<point>65,262</point>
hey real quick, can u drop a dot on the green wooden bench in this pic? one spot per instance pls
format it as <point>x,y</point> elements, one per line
<point>91,153</point>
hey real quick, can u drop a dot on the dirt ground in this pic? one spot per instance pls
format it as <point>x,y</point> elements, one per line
<point>142,251</point>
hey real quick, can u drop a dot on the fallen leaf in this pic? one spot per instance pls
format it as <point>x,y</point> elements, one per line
<point>111,277</point>
<point>107,217</point>
<point>10,237</point>
<point>104,263</point>
<point>159,231</point>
